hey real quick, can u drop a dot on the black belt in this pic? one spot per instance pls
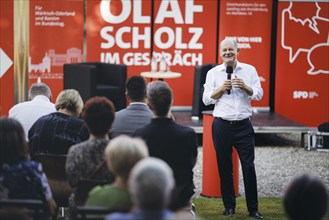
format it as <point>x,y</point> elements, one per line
<point>236,122</point>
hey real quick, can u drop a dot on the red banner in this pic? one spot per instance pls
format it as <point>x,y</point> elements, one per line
<point>56,37</point>
<point>185,35</point>
<point>249,23</point>
<point>302,63</point>
<point>120,32</point>
<point>6,56</point>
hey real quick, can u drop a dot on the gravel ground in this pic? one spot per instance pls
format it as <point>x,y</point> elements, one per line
<point>278,158</point>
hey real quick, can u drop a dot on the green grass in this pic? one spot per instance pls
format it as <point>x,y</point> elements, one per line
<point>212,208</point>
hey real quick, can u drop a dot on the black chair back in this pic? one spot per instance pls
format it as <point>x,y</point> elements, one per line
<point>23,209</point>
<point>54,168</point>
<point>94,213</point>
<point>200,74</point>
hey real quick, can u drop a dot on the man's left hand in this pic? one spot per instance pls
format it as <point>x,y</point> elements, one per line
<point>238,83</point>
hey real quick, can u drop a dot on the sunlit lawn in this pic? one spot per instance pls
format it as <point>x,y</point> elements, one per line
<point>211,208</point>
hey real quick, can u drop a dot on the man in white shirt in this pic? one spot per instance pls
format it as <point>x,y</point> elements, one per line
<point>231,86</point>
<point>39,104</point>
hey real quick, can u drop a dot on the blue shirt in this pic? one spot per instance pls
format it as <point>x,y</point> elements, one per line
<point>24,180</point>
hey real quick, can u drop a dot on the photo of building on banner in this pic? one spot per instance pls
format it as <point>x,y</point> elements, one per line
<point>56,38</point>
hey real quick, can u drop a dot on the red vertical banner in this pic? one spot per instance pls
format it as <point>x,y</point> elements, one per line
<point>185,35</point>
<point>119,32</point>
<point>56,37</point>
<point>6,56</point>
<point>249,23</point>
<point>302,62</point>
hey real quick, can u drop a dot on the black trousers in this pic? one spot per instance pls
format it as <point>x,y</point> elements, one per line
<point>241,136</point>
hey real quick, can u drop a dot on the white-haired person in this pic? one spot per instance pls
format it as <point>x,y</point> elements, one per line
<point>56,132</point>
<point>231,86</point>
<point>150,185</point>
<point>39,104</point>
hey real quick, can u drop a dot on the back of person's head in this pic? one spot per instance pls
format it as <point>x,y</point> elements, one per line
<point>123,152</point>
<point>98,114</point>
<point>151,183</point>
<point>159,96</point>
<point>71,100</point>
<point>136,88</point>
<point>305,198</point>
<point>13,145</point>
<point>39,89</point>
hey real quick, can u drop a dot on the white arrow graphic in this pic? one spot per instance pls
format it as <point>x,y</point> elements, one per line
<point>5,62</point>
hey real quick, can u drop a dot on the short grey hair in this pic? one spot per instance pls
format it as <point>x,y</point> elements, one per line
<point>71,100</point>
<point>159,96</point>
<point>235,44</point>
<point>151,183</point>
<point>123,152</point>
<point>39,89</point>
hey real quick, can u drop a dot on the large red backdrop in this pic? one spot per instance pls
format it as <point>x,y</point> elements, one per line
<point>187,34</point>
<point>302,63</point>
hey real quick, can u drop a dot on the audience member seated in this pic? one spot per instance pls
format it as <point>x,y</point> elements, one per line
<point>56,132</point>
<point>121,154</point>
<point>39,104</point>
<point>305,198</point>
<point>86,159</point>
<point>150,185</point>
<point>20,177</point>
<point>137,114</point>
<point>173,143</point>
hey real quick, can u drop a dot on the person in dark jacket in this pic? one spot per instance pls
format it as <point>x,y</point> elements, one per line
<point>171,142</point>
<point>56,132</point>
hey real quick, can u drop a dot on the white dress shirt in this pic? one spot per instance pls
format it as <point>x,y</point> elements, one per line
<point>30,111</point>
<point>235,106</point>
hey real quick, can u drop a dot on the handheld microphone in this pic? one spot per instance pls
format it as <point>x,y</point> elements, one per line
<point>229,71</point>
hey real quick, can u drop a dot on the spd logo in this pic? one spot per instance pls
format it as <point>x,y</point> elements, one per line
<point>304,95</point>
